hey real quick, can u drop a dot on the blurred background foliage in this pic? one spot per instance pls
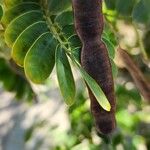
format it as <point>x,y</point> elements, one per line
<point>127,23</point>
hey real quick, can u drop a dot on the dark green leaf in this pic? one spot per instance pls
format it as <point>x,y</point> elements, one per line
<point>141,12</point>
<point>58,6</point>
<point>65,77</point>
<point>26,39</point>
<point>65,18</point>
<point>17,10</point>
<point>74,41</point>
<point>68,30</point>
<point>110,47</point>
<point>110,4</point>
<point>11,3</point>
<point>146,42</point>
<point>76,53</point>
<point>124,7</point>
<point>28,133</point>
<point>40,58</point>
<point>114,68</point>
<point>1,12</point>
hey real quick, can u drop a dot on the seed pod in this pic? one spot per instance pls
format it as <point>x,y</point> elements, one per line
<point>88,19</point>
<point>94,59</point>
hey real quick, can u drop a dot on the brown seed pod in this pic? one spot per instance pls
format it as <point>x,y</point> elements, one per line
<point>88,19</point>
<point>94,59</point>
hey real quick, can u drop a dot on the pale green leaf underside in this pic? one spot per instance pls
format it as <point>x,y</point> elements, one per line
<point>65,76</point>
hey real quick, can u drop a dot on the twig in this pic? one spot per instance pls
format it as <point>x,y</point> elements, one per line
<point>141,83</point>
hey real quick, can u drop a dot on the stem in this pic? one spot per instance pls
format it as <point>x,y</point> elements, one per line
<point>54,30</point>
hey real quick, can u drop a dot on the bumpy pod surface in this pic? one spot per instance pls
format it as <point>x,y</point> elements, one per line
<point>95,60</point>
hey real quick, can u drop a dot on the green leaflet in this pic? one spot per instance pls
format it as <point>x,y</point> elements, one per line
<point>26,39</point>
<point>110,4</point>
<point>11,3</point>
<point>141,12</point>
<point>65,18</point>
<point>76,52</point>
<point>17,10</point>
<point>74,41</point>
<point>110,47</point>
<point>57,6</point>
<point>124,7</point>
<point>114,68</point>
<point>1,12</point>
<point>95,88</point>
<point>68,31</point>
<point>20,23</point>
<point>65,77</point>
<point>40,58</point>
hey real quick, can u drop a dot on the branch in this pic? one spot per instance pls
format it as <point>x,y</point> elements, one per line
<point>141,83</point>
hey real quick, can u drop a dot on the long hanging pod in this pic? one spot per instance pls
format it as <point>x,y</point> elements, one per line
<point>94,59</point>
